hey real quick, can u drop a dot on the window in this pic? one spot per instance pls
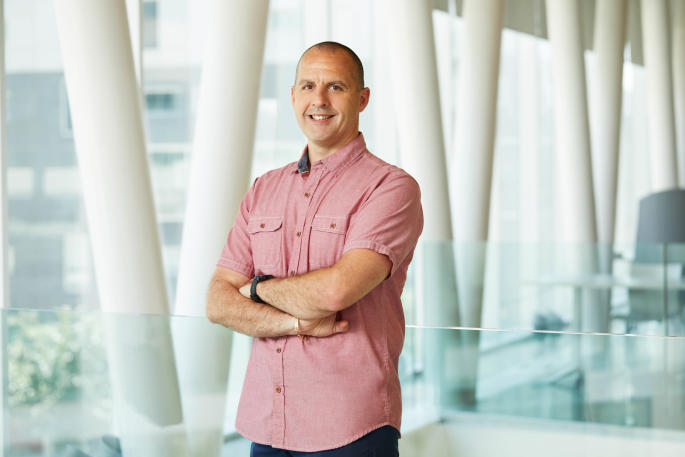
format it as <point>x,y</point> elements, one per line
<point>150,24</point>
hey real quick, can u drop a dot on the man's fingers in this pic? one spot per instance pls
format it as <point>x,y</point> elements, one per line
<point>341,326</point>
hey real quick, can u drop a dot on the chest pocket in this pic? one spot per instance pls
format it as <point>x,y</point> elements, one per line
<point>326,240</point>
<point>266,240</point>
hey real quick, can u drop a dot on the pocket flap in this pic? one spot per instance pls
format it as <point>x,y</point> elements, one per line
<point>333,224</point>
<point>264,224</point>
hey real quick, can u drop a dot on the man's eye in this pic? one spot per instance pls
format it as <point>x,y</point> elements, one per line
<point>334,87</point>
<point>307,86</point>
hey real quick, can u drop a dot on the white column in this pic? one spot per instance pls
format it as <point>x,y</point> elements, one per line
<point>471,175</point>
<point>110,145</point>
<point>678,50</point>
<point>609,42</point>
<point>609,37</point>
<point>134,12</point>
<point>475,139</point>
<point>408,31</point>
<point>655,41</point>
<point>576,207</point>
<point>219,178</point>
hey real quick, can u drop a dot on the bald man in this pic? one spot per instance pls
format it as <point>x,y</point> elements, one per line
<point>313,269</point>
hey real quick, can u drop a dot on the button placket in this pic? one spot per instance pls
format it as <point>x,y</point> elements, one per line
<point>278,401</point>
<point>301,236</point>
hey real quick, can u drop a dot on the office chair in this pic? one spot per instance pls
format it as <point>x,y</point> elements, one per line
<point>659,256</point>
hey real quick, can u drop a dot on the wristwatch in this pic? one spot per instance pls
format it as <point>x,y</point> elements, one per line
<point>253,289</point>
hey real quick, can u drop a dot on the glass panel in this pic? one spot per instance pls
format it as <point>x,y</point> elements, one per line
<point>583,389</point>
<point>606,288</point>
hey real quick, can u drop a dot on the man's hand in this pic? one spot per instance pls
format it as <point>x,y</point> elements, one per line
<point>245,289</point>
<point>325,326</point>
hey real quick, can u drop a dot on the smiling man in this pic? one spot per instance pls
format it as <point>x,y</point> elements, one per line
<point>313,269</point>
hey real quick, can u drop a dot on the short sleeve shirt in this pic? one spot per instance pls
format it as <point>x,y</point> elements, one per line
<point>323,393</point>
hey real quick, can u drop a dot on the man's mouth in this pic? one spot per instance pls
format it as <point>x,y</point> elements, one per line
<point>320,117</point>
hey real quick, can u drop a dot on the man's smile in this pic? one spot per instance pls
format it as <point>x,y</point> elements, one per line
<point>320,117</point>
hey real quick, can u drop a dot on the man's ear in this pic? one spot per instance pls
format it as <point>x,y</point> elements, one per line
<point>364,98</point>
<point>292,95</point>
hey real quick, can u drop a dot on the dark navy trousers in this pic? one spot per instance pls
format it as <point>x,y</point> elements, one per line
<point>381,442</point>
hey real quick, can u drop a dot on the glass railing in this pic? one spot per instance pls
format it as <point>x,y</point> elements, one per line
<point>600,288</point>
<point>583,345</point>
<point>81,383</point>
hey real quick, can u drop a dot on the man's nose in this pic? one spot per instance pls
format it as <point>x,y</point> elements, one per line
<point>320,97</point>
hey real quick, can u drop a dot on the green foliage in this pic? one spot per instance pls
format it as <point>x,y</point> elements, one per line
<point>54,356</point>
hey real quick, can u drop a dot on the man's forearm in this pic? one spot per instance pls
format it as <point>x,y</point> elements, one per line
<point>307,296</point>
<point>226,306</point>
<point>326,291</point>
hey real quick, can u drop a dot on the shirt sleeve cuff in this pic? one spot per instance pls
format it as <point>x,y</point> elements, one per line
<point>376,247</point>
<point>238,267</point>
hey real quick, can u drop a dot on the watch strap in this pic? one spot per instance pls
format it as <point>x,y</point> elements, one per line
<point>253,289</point>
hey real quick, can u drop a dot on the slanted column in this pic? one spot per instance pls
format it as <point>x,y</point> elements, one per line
<point>678,60</point>
<point>408,34</point>
<point>660,94</point>
<point>610,33</point>
<point>576,208</point>
<point>472,164</point>
<point>475,141</point>
<point>219,178</point>
<point>110,145</point>
<point>609,42</point>
<point>134,12</point>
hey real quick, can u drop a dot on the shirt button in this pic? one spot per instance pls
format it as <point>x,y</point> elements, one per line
<point>278,350</point>
<point>333,225</point>
<point>261,225</point>
<point>278,390</point>
<point>306,194</point>
<point>298,233</point>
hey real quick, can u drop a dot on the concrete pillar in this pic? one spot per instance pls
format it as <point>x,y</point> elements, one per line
<point>678,61</point>
<point>576,206</point>
<point>655,26</point>
<point>134,12</point>
<point>219,178</point>
<point>609,41</point>
<point>408,30</point>
<point>110,145</point>
<point>472,165</point>
<point>475,139</point>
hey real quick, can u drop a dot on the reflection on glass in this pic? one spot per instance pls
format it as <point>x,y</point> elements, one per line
<point>61,397</point>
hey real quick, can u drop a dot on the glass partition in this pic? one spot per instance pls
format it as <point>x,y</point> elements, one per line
<point>592,287</point>
<point>83,382</point>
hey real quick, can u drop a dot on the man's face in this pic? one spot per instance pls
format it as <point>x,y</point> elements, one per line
<point>327,99</point>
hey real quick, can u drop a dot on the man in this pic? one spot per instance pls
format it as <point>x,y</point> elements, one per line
<point>313,269</point>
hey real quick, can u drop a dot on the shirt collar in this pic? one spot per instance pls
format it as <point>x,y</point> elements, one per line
<point>336,160</point>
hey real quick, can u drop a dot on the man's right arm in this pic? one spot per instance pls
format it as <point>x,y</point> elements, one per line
<point>226,306</point>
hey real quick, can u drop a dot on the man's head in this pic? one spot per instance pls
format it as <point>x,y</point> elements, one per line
<point>328,96</point>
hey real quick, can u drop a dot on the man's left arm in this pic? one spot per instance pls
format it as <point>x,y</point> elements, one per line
<point>320,293</point>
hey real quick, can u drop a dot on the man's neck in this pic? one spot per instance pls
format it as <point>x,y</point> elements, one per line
<point>318,152</point>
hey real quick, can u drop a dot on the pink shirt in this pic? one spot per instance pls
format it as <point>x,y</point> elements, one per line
<point>323,393</point>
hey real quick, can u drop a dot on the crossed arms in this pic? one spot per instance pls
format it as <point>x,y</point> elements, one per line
<point>315,297</point>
